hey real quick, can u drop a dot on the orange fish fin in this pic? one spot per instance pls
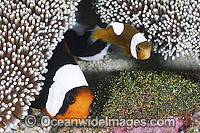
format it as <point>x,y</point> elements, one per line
<point>97,33</point>
<point>126,51</point>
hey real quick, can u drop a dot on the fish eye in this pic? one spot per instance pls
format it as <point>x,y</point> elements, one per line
<point>71,98</point>
<point>139,49</point>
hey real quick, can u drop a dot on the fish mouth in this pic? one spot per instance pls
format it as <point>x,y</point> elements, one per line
<point>74,115</point>
<point>147,56</point>
<point>68,116</point>
<point>74,118</point>
<point>71,118</point>
<point>144,56</point>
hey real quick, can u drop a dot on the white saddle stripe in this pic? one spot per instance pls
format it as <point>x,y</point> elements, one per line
<point>136,39</point>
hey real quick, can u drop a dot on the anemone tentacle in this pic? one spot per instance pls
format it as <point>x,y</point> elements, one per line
<point>173,26</point>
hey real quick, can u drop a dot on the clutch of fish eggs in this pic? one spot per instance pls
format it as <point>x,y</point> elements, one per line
<point>29,31</point>
<point>172,26</point>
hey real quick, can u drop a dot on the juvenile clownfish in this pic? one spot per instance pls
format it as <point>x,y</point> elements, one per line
<point>65,94</point>
<point>133,42</point>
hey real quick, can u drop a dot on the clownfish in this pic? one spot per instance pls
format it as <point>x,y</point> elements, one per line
<point>133,42</point>
<point>65,94</point>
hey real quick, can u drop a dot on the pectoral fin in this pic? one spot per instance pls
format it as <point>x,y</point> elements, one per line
<point>126,51</point>
<point>97,34</point>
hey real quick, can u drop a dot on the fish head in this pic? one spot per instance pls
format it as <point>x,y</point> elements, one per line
<point>75,105</point>
<point>143,50</point>
<point>78,102</point>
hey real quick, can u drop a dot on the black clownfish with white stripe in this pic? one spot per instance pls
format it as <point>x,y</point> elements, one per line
<point>133,42</point>
<point>80,44</point>
<point>65,93</point>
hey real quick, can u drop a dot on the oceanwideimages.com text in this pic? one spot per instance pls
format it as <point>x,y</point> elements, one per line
<point>30,121</point>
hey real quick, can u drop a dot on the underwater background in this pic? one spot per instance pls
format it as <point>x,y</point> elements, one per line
<point>133,75</point>
<point>119,83</point>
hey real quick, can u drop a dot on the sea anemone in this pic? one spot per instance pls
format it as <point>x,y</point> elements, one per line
<point>146,95</point>
<point>173,26</point>
<point>29,31</point>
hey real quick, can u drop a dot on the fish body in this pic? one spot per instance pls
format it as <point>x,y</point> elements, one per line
<point>65,92</point>
<point>133,42</point>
